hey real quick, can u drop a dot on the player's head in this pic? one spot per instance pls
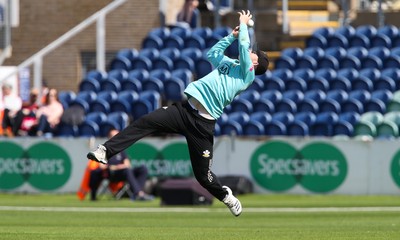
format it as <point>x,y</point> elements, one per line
<point>260,62</point>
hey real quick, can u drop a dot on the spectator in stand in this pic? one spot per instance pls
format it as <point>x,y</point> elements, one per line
<point>49,115</point>
<point>119,168</point>
<point>21,123</point>
<point>190,13</point>
<point>11,103</point>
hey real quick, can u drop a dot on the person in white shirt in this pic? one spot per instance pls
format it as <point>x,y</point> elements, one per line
<point>10,104</point>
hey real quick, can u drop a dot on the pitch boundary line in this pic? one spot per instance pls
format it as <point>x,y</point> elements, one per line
<point>197,210</point>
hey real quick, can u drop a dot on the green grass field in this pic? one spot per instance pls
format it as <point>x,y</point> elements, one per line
<point>264,217</point>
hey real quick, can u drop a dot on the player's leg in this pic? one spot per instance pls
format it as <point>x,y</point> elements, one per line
<point>162,120</point>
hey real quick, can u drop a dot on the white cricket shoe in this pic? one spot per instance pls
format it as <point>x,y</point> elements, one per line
<point>232,202</point>
<point>98,155</point>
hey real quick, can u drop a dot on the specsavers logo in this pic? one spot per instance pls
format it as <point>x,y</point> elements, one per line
<point>44,166</point>
<point>318,167</point>
<point>172,160</point>
<point>395,168</point>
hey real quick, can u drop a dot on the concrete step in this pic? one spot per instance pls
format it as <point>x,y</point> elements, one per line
<point>306,28</point>
<point>305,5</point>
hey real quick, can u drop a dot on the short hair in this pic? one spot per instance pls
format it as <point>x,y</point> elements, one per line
<point>263,62</point>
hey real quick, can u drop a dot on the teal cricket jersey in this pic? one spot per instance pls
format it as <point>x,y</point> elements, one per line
<point>229,77</point>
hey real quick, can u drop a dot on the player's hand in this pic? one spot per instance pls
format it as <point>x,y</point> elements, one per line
<point>235,32</point>
<point>245,16</point>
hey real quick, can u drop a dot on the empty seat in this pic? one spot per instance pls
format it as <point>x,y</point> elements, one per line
<point>328,62</point>
<point>375,105</point>
<point>161,32</point>
<point>261,117</point>
<point>120,118</point>
<point>87,96</point>
<point>149,53</point>
<point>153,84</point>
<point>264,105</point>
<point>110,85</point>
<point>381,40</point>
<point>361,95</point>
<point>152,41</point>
<point>297,129</point>
<point>303,73</point>
<point>231,128</point>
<point>350,117</point>
<point>117,74</point>
<point>342,128</point>
<point>340,83</point>
<point>318,83</point>
<point>293,53</point>
<point>286,105</point>
<point>121,63</point>
<point>336,52</point>
<point>171,53</point>
<point>96,74</point>
<point>306,117</point>
<point>385,83</point>
<point>173,89</point>
<point>184,63</point>
<point>283,74</point>
<point>362,83</point>
<point>132,84</point>
<point>359,40</point>
<point>183,74</point>
<point>285,62</point>
<point>139,74</point>
<point>275,128</point>
<point>257,85</point>
<point>352,105</point>
<point>283,117</point>
<point>202,67</point>
<point>100,105</point>
<point>194,41</point>
<point>372,62</point>
<point>295,83</point>
<point>329,105</point>
<point>274,83</point>
<point>163,62</point>
<point>89,129</point>
<point>365,129</point>
<point>337,41</point>
<point>373,117</point>
<point>308,105</point>
<point>253,129</point>
<point>350,62</point>
<point>385,95</point>
<point>142,62</point>
<point>313,52</point>
<point>387,129</point>
<point>366,30</point>
<point>108,96</point>
<point>97,117</point>
<point>306,62</point>
<point>294,95</point>
<point>338,95</point>
<point>317,95</point>
<point>174,42</point>
<point>392,62</point>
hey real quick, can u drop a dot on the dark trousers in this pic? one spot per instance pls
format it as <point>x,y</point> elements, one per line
<point>179,118</point>
<point>136,177</point>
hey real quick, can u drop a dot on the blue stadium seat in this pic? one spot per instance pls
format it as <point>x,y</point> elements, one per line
<point>303,73</point>
<point>324,31</point>
<point>283,117</point>
<point>250,95</point>
<point>380,52</point>
<point>192,52</point>
<point>89,84</point>
<point>328,62</point>
<point>317,95</point>
<point>100,105</point>
<point>384,82</point>
<point>361,95</point>
<point>337,41</point>
<point>81,103</point>
<point>295,83</point>
<point>264,105</point>
<point>118,74</point>
<point>305,117</point>
<point>253,128</point>
<point>202,67</point>
<point>149,53</point>
<point>395,51</point>
<point>89,129</point>
<point>128,96</point>
<point>368,31</point>
<point>129,53</point>
<point>357,52</point>
<point>139,74</point>
<point>182,32</point>
<point>306,62</point>
<point>131,84</point>
<point>349,73</point>
<point>323,125</point>
<point>67,130</point>
<point>392,62</point>
<point>148,102</point>
<point>314,52</point>
<point>239,117</point>
<point>352,105</point>
<point>110,85</point>
<point>362,83</point>
<point>174,42</point>
<point>161,32</point>
<point>107,96</point>
<point>233,50</point>
<point>66,97</point>
<point>359,40</point>
<point>326,73</point>
<point>307,105</point>
<point>183,74</point>
<point>211,41</point>
<point>153,84</point>
<point>390,31</point>
<point>283,74</point>
<point>105,128</point>
<point>222,31</point>
<point>347,31</point>
<point>87,96</point>
<point>96,74</point>
<point>163,62</point>
<point>372,62</point>
<point>294,95</point>
<point>121,118</point>
<point>185,63</point>
<point>286,105</point>
<point>152,41</point>
<point>336,52</point>
<point>120,105</point>
<point>297,129</point>
<point>203,32</point>
<point>275,128</point>
<point>171,53</point>
<point>385,95</point>
<point>241,105</point>
<point>285,62</point>
<point>161,74</point>
<point>316,40</point>
<point>329,105</point>
<point>375,105</point>
<point>173,89</point>
<point>342,128</point>
<point>293,53</point>
<point>121,63</point>
<point>257,85</point>
<point>318,83</point>
<point>261,117</point>
<point>194,41</point>
<point>142,63</point>
<point>271,95</point>
<point>274,83</point>
<point>231,128</point>
<point>97,117</point>
<point>371,73</point>
<point>350,62</point>
<point>340,83</point>
<point>393,73</point>
<point>350,117</point>
<point>381,40</point>
<point>338,95</point>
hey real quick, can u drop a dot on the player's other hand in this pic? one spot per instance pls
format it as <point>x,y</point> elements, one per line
<point>244,16</point>
<point>235,32</point>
